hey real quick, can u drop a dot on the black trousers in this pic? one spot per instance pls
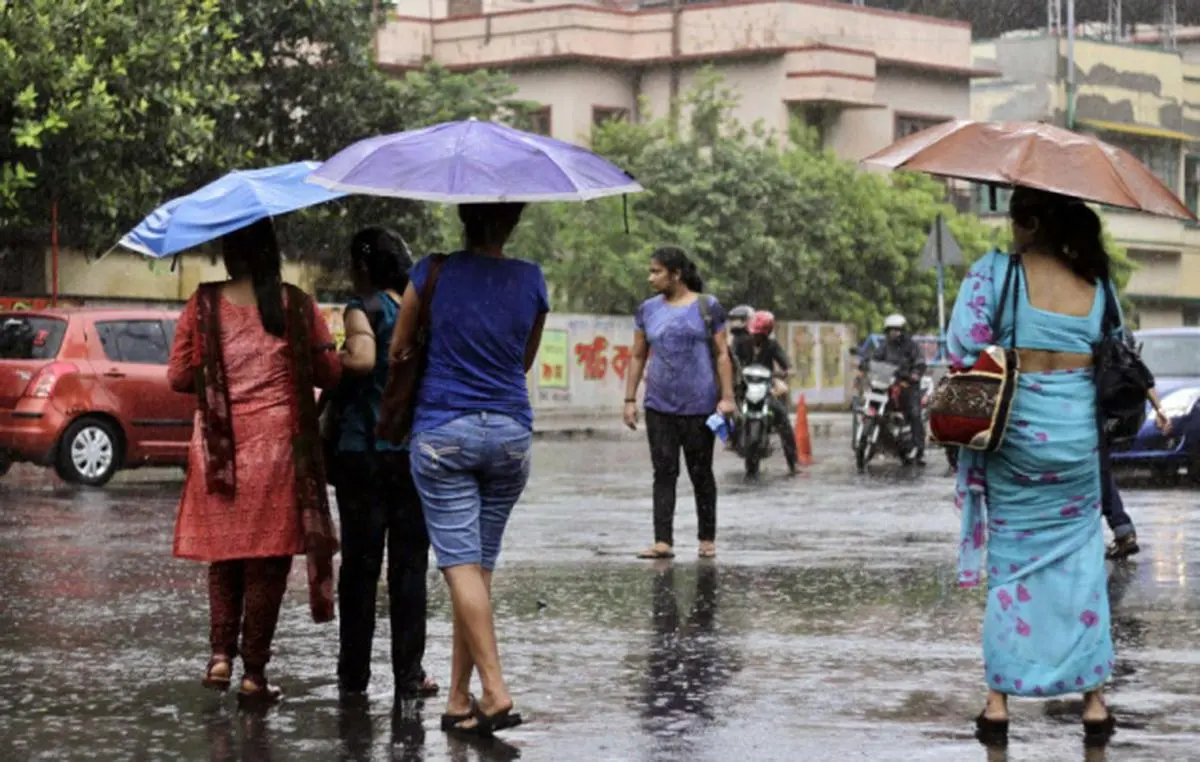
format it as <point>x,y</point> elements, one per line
<point>1111,504</point>
<point>783,426</point>
<point>668,434</point>
<point>379,506</point>
<point>910,400</point>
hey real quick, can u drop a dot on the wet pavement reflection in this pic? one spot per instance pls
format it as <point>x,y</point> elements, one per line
<point>829,628</point>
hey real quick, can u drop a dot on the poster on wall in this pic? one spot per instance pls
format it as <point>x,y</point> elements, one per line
<point>802,350</point>
<point>553,356</point>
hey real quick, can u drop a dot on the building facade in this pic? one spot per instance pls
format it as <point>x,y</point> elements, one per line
<point>860,76</point>
<point>1141,98</point>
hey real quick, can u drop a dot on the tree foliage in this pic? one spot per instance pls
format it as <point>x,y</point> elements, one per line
<point>105,103</point>
<point>775,224</point>
<point>110,107</point>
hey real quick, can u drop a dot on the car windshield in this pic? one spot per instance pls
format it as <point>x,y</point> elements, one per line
<point>27,337</point>
<point>1168,356</point>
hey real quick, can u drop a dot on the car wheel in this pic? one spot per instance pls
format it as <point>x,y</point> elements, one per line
<point>89,453</point>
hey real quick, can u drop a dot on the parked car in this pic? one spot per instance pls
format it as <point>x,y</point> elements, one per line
<point>85,391</point>
<point>1173,356</point>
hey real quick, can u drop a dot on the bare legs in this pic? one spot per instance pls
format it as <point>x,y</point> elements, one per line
<point>474,643</point>
<point>1094,708</point>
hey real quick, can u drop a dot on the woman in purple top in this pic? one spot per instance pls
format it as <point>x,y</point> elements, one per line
<point>472,436</point>
<point>682,332</point>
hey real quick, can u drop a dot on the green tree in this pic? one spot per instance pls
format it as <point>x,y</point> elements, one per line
<point>318,90</point>
<point>103,104</point>
<point>771,223</point>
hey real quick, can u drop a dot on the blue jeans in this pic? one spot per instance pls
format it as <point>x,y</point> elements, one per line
<point>470,473</point>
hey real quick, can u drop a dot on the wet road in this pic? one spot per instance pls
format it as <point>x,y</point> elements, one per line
<point>828,629</point>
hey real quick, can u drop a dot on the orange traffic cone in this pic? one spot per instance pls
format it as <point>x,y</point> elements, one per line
<point>803,439</point>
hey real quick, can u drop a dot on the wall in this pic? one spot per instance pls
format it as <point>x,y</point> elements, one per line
<point>571,90</point>
<point>132,276</point>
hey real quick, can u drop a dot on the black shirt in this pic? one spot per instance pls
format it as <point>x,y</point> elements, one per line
<point>768,354</point>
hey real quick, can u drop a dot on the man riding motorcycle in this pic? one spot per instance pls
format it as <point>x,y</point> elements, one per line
<point>900,350</point>
<point>739,329</point>
<point>762,349</point>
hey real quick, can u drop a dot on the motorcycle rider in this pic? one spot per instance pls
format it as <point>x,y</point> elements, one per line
<point>900,350</point>
<point>739,329</point>
<point>762,349</point>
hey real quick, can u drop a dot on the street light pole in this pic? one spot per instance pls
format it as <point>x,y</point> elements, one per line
<point>1070,64</point>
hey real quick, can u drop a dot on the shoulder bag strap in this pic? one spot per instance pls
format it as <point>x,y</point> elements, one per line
<point>1112,314</point>
<point>435,269</point>
<point>706,314</point>
<point>1012,280</point>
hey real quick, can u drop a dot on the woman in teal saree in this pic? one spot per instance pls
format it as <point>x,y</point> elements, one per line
<point>1035,502</point>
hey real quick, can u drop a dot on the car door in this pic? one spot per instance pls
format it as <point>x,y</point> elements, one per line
<point>157,421</point>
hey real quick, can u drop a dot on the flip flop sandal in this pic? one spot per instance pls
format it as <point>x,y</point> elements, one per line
<point>487,725</point>
<point>219,684</point>
<point>263,696</point>
<point>652,554</point>
<point>450,720</point>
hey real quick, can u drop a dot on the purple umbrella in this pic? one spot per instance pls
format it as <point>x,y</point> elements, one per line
<point>472,162</point>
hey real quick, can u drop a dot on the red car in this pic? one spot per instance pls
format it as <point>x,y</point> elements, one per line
<point>85,391</point>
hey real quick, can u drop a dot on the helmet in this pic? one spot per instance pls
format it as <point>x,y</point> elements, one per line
<point>739,316</point>
<point>762,323</point>
<point>895,321</point>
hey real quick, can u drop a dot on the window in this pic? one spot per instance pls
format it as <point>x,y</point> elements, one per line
<point>540,122</point>
<point>815,118</point>
<point>134,341</point>
<point>1191,183</point>
<point>910,124</point>
<point>602,114</point>
<point>30,338</point>
<point>983,200</point>
<point>1177,355</point>
<point>1161,156</point>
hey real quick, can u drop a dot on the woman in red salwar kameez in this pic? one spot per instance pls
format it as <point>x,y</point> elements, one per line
<point>252,349</point>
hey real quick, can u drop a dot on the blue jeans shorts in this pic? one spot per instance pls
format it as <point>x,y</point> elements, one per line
<point>470,473</point>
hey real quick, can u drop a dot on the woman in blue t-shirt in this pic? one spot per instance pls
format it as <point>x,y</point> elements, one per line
<point>377,502</point>
<point>472,434</point>
<point>682,330</point>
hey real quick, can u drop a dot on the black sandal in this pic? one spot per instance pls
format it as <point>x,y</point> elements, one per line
<point>486,725</point>
<point>219,684</point>
<point>262,696</point>
<point>450,720</point>
<point>991,732</point>
<point>1099,732</point>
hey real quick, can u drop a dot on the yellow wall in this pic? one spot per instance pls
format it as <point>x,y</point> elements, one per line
<point>123,275</point>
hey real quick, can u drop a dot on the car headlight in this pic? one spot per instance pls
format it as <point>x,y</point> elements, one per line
<point>1180,403</point>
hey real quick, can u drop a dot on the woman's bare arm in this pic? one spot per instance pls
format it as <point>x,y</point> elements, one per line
<point>358,354</point>
<point>404,338</point>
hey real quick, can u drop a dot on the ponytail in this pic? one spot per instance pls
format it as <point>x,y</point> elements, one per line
<point>675,260</point>
<point>253,252</point>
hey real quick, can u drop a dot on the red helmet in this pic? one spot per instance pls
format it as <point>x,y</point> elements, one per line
<point>762,323</point>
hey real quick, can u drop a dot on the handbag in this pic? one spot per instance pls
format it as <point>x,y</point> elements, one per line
<point>400,396</point>
<point>970,408</point>
<point>1123,382</point>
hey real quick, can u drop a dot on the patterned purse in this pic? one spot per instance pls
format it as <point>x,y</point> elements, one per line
<point>971,407</point>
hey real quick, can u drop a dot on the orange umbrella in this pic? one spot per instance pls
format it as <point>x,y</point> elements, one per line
<point>1034,155</point>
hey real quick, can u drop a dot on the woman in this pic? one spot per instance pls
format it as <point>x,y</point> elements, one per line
<point>252,349</point>
<point>377,501</point>
<point>690,376</point>
<point>1046,631</point>
<point>472,434</point>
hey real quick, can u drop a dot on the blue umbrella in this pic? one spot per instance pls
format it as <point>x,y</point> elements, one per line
<point>472,162</point>
<point>236,200</point>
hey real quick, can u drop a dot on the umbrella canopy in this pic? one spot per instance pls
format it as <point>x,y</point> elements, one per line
<point>472,162</point>
<point>1034,155</point>
<point>236,200</point>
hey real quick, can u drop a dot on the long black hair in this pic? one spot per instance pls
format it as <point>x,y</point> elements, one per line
<point>676,260</point>
<point>383,256</point>
<point>253,252</point>
<point>489,224</point>
<point>1063,227</point>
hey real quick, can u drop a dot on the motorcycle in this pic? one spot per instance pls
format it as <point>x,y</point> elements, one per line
<point>754,430</point>
<point>880,425</point>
